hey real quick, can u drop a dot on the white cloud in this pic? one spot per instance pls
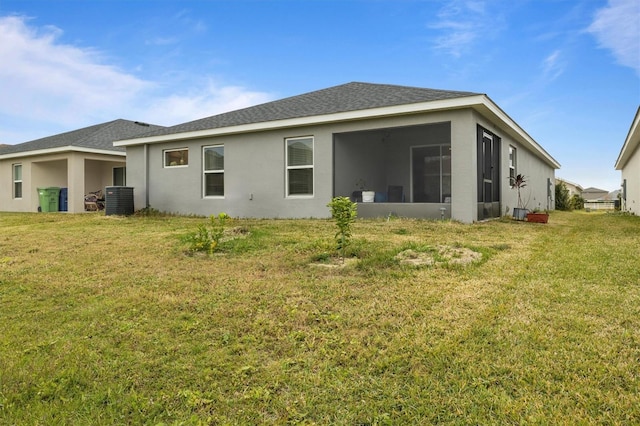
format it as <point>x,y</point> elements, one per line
<point>212,99</point>
<point>617,28</point>
<point>461,23</point>
<point>45,80</point>
<point>553,65</point>
<point>49,86</point>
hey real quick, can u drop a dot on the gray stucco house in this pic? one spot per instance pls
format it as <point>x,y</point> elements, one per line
<point>82,161</point>
<point>628,163</point>
<point>424,153</point>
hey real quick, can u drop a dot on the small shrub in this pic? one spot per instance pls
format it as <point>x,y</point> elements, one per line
<point>207,237</point>
<point>576,202</point>
<point>344,212</point>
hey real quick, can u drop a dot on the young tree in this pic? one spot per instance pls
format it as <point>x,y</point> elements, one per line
<point>344,212</point>
<point>562,197</point>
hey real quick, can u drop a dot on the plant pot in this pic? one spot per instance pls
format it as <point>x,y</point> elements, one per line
<point>519,214</point>
<point>538,217</point>
<point>368,196</point>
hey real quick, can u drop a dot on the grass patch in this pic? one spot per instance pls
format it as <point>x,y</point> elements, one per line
<point>106,321</point>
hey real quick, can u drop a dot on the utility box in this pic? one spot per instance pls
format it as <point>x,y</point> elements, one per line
<point>118,200</point>
<point>49,198</point>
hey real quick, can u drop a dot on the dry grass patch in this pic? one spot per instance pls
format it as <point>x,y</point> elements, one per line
<point>439,255</point>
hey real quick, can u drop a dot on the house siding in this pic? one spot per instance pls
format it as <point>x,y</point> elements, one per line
<point>631,173</point>
<point>255,173</point>
<point>536,172</point>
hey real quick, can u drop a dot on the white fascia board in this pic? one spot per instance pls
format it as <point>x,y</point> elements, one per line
<point>307,121</point>
<point>631,142</point>
<point>62,149</point>
<point>518,132</point>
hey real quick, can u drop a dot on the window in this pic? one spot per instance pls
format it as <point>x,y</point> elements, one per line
<point>119,176</point>
<point>213,170</point>
<point>176,157</point>
<point>300,166</point>
<point>431,170</point>
<point>512,165</point>
<point>17,181</point>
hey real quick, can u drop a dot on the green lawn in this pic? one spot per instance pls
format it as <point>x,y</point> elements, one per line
<point>106,320</point>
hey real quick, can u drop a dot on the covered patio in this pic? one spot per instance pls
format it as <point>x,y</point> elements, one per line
<point>407,169</point>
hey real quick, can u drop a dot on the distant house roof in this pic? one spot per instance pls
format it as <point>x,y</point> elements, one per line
<point>572,184</point>
<point>631,142</point>
<point>594,194</point>
<point>96,138</point>
<point>346,102</point>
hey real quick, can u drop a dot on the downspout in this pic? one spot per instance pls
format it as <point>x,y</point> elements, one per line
<point>146,175</point>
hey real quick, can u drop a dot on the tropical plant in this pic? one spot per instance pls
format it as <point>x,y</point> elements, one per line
<point>518,183</point>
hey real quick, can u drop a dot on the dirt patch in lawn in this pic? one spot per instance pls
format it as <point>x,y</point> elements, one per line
<point>439,255</point>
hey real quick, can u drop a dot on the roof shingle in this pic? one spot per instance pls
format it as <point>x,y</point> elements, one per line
<point>353,96</point>
<point>99,136</point>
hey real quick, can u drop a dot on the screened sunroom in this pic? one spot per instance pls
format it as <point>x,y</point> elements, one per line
<point>398,170</point>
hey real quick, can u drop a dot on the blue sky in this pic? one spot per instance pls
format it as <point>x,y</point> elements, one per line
<point>568,71</point>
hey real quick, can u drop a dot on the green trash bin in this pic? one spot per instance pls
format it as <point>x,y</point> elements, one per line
<point>49,199</point>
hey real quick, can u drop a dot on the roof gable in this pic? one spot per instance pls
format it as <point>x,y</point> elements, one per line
<point>353,96</point>
<point>96,137</point>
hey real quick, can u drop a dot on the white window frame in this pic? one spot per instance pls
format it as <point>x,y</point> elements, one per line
<point>172,166</point>
<point>299,167</point>
<point>17,181</point>
<point>205,172</point>
<point>513,164</point>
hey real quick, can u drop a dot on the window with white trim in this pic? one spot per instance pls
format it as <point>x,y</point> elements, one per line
<point>17,181</point>
<point>512,165</point>
<point>213,171</point>
<point>119,176</point>
<point>176,157</point>
<point>299,166</point>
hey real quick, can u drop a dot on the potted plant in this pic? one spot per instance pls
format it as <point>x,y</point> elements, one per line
<point>519,182</point>
<point>538,216</point>
<point>367,196</point>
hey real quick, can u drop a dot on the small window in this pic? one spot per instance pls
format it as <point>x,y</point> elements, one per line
<point>512,165</point>
<point>17,181</point>
<point>213,173</point>
<point>300,166</point>
<point>119,176</point>
<point>176,157</point>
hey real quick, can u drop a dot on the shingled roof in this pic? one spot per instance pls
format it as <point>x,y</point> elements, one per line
<point>99,137</point>
<point>344,98</point>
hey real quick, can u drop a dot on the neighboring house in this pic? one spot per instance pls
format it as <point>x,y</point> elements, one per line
<point>82,161</point>
<point>573,188</point>
<point>595,194</point>
<point>597,199</point>
<point>629,163</point>
<point>426,153</point>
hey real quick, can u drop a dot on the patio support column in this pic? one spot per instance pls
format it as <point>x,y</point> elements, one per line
<point>75,182</point>
<point>463,167</point>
